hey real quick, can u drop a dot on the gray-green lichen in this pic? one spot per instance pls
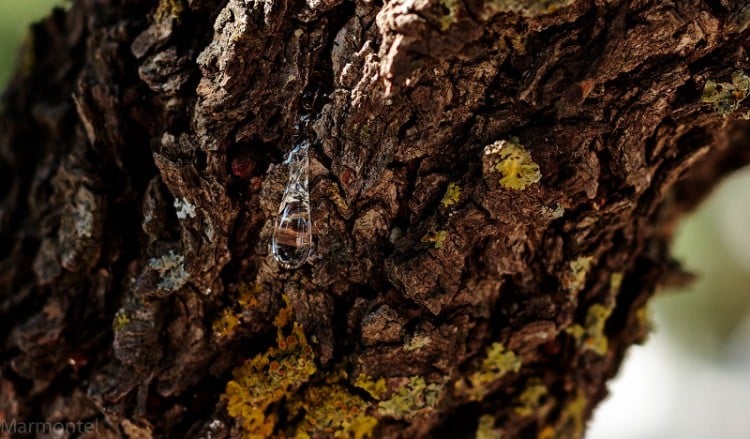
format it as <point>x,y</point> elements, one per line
<point>171,268</point>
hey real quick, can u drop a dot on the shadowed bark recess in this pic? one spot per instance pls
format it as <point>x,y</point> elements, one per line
<point>493,189</point>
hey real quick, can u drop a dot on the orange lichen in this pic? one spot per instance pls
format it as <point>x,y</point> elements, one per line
<point>226,323</point>
<point>230,317</point>
<point>331,411</point>
<point>266,379</point>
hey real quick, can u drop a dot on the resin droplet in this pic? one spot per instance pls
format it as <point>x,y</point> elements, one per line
<point>292,233</point>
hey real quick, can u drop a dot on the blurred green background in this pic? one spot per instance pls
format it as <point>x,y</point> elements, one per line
<point>694,372</point>
<point>15,17</point>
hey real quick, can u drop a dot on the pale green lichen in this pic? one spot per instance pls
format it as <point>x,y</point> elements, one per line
<point>452,195</point>
<point>529,399</point>
<point>498,362</point>
<point>727,97</point>
<point>410,399</point>
<point>121,320</point>
<point>574,279</point>
<point>513,162</point>
<point>486,428</point>
<point>436,238</point>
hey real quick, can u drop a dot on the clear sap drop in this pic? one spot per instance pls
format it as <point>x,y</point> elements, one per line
<point>292,233</point>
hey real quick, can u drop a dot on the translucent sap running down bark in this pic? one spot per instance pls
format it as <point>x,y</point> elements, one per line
<point>292,233</point>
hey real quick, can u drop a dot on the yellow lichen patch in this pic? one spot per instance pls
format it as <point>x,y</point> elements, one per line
<point>641,315</point>
<point>591,335</point>
<point>331,411</point>
<point>168,9</point>
<point>530,398</point>
<point>513,162</point>
<point>574,279</point>
<point>229,319</point>
<point>452,195</point>
<point>437,238</point>
<point>248,295</point>
<point>225,324</point>
<point>576,331</point>
<point>410,399</point>
<point>266,379</point>
<point>284,315</point>
<point>497,362</point>
<point>615,283</point>
<point>486,428</point>
<point>417,342</point>
<point>528,8</point>
<point>376,388</point>
<point>335,196</point>
<point>572,418</point>
<point>547,432</point>
<point>596,318</point>
<point>726,97</point>
<point>121,320</point>
<point>448,18</point>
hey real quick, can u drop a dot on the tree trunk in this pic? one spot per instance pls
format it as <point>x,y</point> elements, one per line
<point>493,188</point>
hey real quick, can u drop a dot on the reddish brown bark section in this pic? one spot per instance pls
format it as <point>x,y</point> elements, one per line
<point>153,190</point>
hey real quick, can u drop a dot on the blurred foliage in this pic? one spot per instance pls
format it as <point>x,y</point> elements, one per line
<point>15,18</point>
<point>713,243</point>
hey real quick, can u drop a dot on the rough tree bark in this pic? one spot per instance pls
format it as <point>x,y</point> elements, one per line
<point>493,185</point>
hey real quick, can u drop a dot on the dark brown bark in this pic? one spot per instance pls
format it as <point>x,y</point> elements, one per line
<point>141,166</point>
